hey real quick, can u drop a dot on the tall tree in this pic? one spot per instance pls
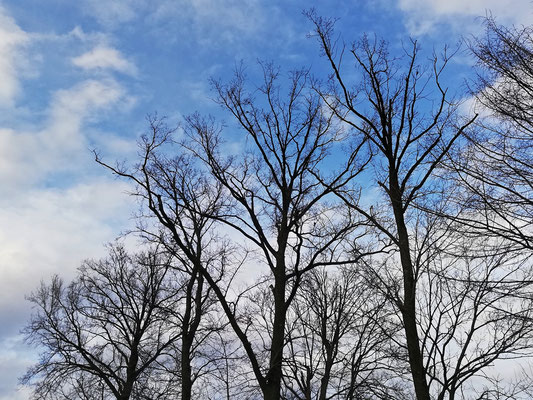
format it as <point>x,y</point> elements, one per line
<point>409,133</point>
<point>279,204</point>
<point>273,197</point>
<point>182,202</point>
<point>497,166</point>
<point>340,340</point>
<point>103,333</point>
<point>473,304</point>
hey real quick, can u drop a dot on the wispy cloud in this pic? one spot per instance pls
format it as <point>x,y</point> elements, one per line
<point>12,42</point>
<point>215,21</point>
<point>59,220</point>
<point>103,57</point>
<point>27,157</point>
<point>55,210</point>
<point>196,20</point>
<point>113,13</point>
<point>46,232</point>
<point>13,359</point>
<point>423,16</point>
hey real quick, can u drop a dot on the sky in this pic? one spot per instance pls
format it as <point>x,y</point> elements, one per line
<point>82,75</point>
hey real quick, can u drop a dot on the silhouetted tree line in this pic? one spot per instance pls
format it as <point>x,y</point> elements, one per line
<point>369,240</point>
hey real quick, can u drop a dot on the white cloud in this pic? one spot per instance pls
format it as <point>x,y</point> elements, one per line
<point>206,20</point>
<point>111,13</point>
<point>423,15</point>
<point>234,16</point>
<point>213,21</point>
<point>12,42</point>
<point>13,363</point>
<point>103,57</point>
<point>86,100</point>
<point>47,222</point>
<point>27,157</point>
<point>46,232</point>
<point>57,207</point>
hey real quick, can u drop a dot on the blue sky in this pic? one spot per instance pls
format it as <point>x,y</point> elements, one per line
<point>78,75</point>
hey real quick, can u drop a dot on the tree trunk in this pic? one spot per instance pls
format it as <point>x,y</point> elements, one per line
<point>416,360</point>
<point>130,373</point>
<point>273,378</point>
<point>186,382</point>
<point>327,374</point>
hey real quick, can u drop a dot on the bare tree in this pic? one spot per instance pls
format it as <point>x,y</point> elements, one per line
<point>339,342</point>
<point>293,212</point>
<point>182,201</point>
<point>474,307</point>
<point>273,197</point>
<point>409,134</point>
<point>279,204</point>
<point>102,334</point>
<point>497,166</point>
<point>229,378</point>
